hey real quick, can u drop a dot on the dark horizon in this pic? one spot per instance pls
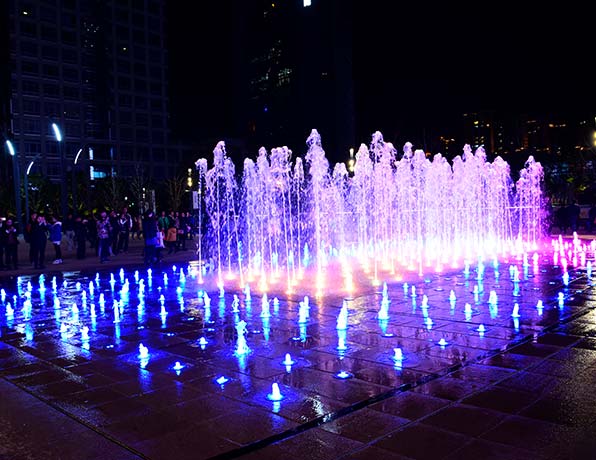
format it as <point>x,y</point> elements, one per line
<point>414,75</point>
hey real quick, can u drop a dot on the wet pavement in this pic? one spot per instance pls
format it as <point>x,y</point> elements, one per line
<point>522,389</point>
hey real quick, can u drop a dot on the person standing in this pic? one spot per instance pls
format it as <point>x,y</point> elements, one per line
<point>92,233</point>
<point>2,241</point>
<point>125,226</point>
<point>150,234</point>
<point>68,230</point>
<point>12,242</point>
<point>171,238</point>
<point>56,239</point>
<point>114,232</point>
<point>27,235</point>
<point>104,230</point>
<point>39,240</point>
<point>80,229</point>
<point>573,212</point>
<point>591,218</point>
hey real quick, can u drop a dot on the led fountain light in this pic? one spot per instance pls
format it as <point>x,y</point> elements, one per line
<point>343,375</point>
<point>275,394</point>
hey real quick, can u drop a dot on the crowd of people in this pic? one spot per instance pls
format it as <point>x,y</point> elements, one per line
<point>569,218</point>
<point>107,233</point>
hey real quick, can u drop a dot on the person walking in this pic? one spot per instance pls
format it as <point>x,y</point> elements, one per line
<point>56,239</point>
<point>104,230</point>
<point>12,242</point>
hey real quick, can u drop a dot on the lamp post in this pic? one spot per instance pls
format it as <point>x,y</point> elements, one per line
<point>74,184</point>
<point>17,184</point>
<point>74,171</point>
<point>58,136</point>
<point>27,187</point>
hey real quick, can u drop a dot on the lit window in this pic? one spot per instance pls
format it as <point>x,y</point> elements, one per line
<point>306,3</point>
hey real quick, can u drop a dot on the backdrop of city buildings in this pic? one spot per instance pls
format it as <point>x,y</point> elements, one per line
<point>147,86</point>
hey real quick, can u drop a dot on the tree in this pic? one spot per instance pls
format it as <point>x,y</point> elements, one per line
<point>175,191</point>
<point>110,193</point>
<point>139,183</point>
<point>44,196</point>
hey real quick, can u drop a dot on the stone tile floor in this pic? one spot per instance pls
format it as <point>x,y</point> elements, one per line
<point>523,390</point>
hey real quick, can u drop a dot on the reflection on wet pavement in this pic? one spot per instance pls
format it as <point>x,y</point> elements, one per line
<point>473,379</point>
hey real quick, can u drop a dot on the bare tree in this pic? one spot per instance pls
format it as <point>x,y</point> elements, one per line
<point>138,184</point>
<point>175,190</point>
<point>110,191</point>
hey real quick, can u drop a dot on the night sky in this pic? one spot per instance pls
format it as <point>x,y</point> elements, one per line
<point>415,71</point>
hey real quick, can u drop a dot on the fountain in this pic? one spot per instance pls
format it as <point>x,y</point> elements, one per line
<point>383,314</point>
<point>288,361</point>
<point>343,375</point>
<point>235,304</point>
<point>302,313</point>
<point>515,313</point>
<point>241,346</point>
<point>265,307</point>
<point>143,351</point>
<point>222,380</point>
<point>398,357</point>
<point>342,318</point>
<point>540,307</point>
<point>412,212</point>
<point>275,394</point>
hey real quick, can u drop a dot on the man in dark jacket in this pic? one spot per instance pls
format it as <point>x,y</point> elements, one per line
<point>80,230</point>
<point>12,242</point>
<point>150,235</point>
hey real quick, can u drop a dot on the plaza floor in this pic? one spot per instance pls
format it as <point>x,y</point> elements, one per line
<point>522,389</point>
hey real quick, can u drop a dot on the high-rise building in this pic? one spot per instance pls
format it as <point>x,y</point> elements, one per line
<point>299,71</point>
<point>98,70</point>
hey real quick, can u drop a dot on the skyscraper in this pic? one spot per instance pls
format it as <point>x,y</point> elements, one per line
<point>299,71</point>
<point>98,70</point>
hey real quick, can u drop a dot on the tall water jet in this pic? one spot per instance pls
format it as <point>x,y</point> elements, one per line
<point>319,172</point>
<point>412,212</point>
<point>201,166</point>
<point>528,201</point>
<point>221,207</point>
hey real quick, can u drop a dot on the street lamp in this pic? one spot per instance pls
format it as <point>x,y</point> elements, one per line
<point>74,185</point>
<point>28,170</point>
<point>58,136</point>
<point>17,183</point>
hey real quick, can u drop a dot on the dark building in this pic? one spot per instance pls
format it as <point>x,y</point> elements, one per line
<point>296,74</point>
<point>481,130</point>
<point>98,69</point>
